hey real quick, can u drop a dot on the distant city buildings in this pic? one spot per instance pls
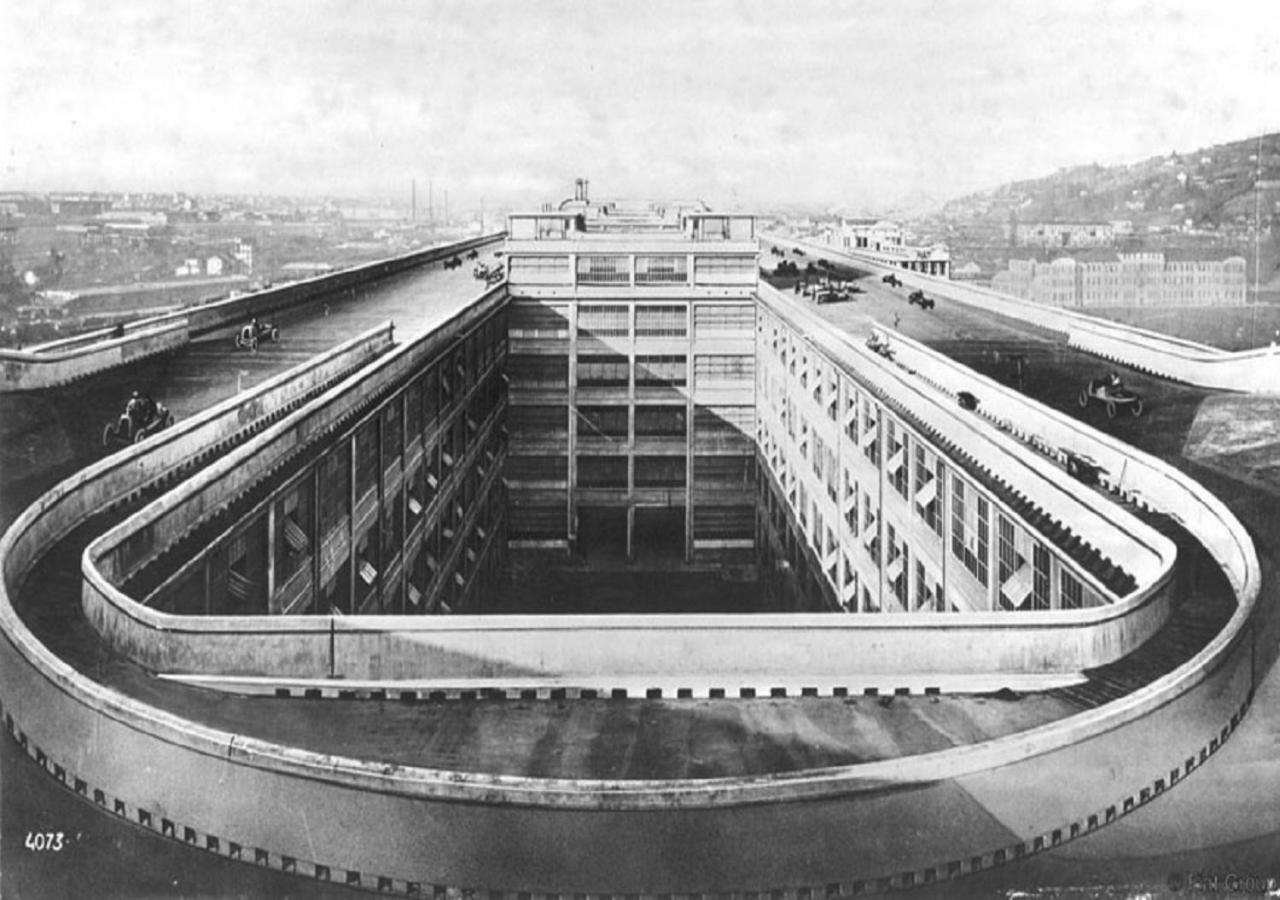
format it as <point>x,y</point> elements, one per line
<point>1148,278</point>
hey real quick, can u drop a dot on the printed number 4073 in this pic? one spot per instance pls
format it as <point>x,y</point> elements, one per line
<point>40,841</point>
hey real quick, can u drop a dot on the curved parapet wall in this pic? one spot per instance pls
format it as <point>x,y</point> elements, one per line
<point>70,359</point>
<point>1251,371</point>
<point>411,830</point>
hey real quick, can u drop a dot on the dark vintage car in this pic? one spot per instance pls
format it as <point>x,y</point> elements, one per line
<point>142,417</point>
<point>892,280</point>
<point>254,333</point>
<point>920,300</point>
<point>1110,391</point>
<point>453,262</point>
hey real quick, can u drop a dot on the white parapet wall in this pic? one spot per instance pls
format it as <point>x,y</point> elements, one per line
<point>1249,371</point>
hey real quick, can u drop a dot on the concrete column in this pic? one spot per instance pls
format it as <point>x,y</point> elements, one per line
<point>271,553</point>
<point>351,525</point>
<point>688,413</point>
<point>316,533</point>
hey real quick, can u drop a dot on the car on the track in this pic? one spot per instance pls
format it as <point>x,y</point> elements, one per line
<point>254,333</point>
<point>1110,391</point>
<point>453,262</point>
<point>142,417</point>
<point>474,254</point>
<point>919,299</point>
<point>892,280</point>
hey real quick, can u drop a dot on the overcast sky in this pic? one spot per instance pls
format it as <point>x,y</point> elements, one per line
<point>856,104</point>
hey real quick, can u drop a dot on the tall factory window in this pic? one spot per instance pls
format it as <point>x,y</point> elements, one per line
<point>604,270</point>
<point>547,269</point>
<point>530,319</point>
<point>366,458</point>
<point>1040,585</point>
<point>661,421</point>
<point>660,471</point>
<point>970,523</point>
<point>724,420</point>
<point>723,320</point>
<point>662,270</point>
<point>537,422</point>
<point>724,471</point>
<point>724,269</point>
<point>431,396</point>
<point>603,371</point>
<point>294,523</point>
<point>532,469</point>
<point>538,372</point>
<point>602,472</point>
<point>603,421</point>
<point>723,369</point>
<point>1072,590</point>
<point>723,522</point>
<point>537,523</point>
<point>662,321</point>
<point>392,433</point>
<point>661,371</point>
<point>604,320</point>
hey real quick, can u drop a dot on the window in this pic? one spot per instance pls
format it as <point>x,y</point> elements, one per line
<point>605,320</point>
<point>724,471</point>
<point>735,369</point>
<point>724,269</point>
<point>661,371</point>
<point>534,320</point>
<point>724,420</point>
<point>539,268</point>
<point>602,471</point>
<point>603,371</point>
<point>538,372</point>
<point>539,421</point>
<point>662,270</point>
<point>661,421</point>
<point>662,321</point>
<point>970,525</point>
<point>604,270</point>
<point>724,522</point>
<point>603,422</point>
<point>533,523</point>
<point>723,320</point>
<point>1072,591</point>
<point>660,471</point>
<point>1040,583</point>
<point>537,468</point>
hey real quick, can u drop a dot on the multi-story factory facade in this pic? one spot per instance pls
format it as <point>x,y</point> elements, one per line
<point>632,384</point>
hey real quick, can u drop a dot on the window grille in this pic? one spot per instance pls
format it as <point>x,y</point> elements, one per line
<point>604,270</point>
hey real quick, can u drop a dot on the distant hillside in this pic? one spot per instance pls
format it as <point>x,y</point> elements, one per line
<point>1211,188</point>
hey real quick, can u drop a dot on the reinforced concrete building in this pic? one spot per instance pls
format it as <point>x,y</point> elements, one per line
<point>631,399</point>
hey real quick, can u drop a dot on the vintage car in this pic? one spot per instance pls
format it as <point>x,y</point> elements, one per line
<point>142,417</point>
<point>453,262</point>
<point>892,280</point>
<point>1110,391</point>
<point>252,334</point>
<point>920,300</point>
